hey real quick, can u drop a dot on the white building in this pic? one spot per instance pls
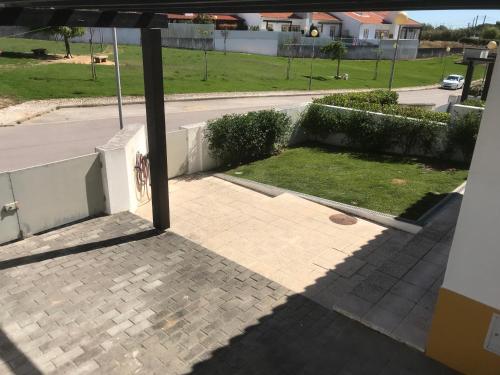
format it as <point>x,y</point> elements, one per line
<point>376,25</point>
<point>327,24</point>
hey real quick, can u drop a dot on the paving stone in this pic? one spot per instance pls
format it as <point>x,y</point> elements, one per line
<point>159,304</point>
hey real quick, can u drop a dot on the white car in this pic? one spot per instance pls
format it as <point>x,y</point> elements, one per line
<point>453,82</point>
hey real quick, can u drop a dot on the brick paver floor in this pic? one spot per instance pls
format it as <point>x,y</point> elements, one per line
<point>112,296</point>
<point>382,277</point>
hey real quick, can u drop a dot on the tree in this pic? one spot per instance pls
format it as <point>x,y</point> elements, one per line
<point>225,34</point>
<point>203,18</point>
<point>205,34</point>
<point>490,32</point>
<point>66,33</point>
<point>337,51</point>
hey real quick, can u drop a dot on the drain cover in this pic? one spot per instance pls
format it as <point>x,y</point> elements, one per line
<point>343,219</point>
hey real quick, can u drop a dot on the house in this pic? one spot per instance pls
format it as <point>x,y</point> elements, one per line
<point>376,25</point>
<point>221,21</point>
<point>327,24</point>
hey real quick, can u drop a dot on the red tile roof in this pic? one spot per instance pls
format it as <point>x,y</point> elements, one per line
<point>278,16</point>
<point>374,17</point>
<point>224,17</point>
<point>323,16</point>
<point>177,16</point>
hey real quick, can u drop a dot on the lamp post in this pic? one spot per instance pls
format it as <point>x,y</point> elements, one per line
<point>448,49</point>
<point>400,19</point>
<point>314,34</point>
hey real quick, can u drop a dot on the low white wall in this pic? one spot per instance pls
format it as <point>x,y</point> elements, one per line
<point>460,110</point>
<point>187,152</point>
<point>57,193</point>
<point>118,158</point>
<point>340,139</point>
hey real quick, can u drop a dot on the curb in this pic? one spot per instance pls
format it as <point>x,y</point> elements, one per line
<point>374,216</point>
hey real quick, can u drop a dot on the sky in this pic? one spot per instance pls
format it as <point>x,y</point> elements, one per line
<point>454,18</point>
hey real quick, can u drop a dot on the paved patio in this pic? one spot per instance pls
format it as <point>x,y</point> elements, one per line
<point>112,296</point>
<point>382,277</point>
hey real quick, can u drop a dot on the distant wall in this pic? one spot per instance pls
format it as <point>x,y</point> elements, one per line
<point>258,42</point>
<point>364,50</point>
<point>426,52</point>
<point>50,195</point>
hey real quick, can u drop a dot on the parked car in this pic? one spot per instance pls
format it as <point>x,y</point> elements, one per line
<point>453,82</point>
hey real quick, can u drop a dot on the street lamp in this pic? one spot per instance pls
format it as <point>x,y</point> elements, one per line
<point>448,49</point>
<point>492,45</point>
<point>314,33</point>
<point>400,19</point>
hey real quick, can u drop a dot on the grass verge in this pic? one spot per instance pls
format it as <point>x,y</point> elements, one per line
<point>25,78</point>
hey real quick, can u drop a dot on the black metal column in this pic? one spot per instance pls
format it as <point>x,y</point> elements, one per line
<point>487,80</point>
<point>468,81</point>
<point>155,115</point>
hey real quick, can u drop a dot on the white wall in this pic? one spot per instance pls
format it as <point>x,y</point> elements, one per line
<point>459,110</point>
<point>118,157</point>
<point>350,26</point>
<point>474,263</point>
<point>57,193</point>
<point>124,36</point>
<point>258,42</point>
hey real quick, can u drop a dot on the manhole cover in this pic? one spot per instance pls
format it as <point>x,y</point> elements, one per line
<point>343,219</point>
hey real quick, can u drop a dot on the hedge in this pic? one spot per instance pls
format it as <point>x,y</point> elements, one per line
<point>462,135</point>
<point>382,101</point>
<point>370,132</point>
<point>235,139</point>
<point>351,99</point>
<point>474,103</point>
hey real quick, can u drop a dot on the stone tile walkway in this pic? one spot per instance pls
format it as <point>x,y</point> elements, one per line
<point>111,296</point>
<point>382,277</point>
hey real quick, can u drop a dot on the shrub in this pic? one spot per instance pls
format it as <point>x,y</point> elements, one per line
<point>371,132</point>
<point>462,134</point>
<point>382,101</point>
<point>243,138</point>
<point>381,97</point>
<point>474,103</point>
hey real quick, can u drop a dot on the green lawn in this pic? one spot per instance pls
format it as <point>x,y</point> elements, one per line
<point>26,78</point>
<point>405,187</point>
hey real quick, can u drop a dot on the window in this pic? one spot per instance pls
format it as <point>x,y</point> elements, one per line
<point>333,31</point>
<point>295,28</point>
<point>366,32</point>
<point>381,34</point>
<point>285,27</point>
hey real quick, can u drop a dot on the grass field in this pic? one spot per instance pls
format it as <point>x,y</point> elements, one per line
<point>404,187</point>
<point>27,78</point>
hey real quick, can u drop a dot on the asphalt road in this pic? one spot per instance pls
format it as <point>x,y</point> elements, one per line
<point>73,132</point>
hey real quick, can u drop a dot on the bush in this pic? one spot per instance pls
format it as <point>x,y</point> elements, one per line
<point>370,132</point>
<point>382,101</point>
<point>381,97</point>
<point>474,103</point>
<point>462,135</point>
<point>238,139</point>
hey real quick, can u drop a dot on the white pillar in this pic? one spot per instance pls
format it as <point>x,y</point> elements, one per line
<point>470,296</point>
